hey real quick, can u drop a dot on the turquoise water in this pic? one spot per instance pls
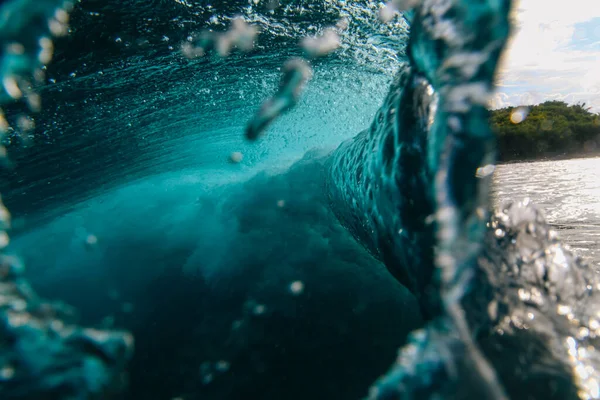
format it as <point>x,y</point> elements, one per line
<point>286,262</point>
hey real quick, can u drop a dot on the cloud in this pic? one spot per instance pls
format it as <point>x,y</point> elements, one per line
<point>551,56</point>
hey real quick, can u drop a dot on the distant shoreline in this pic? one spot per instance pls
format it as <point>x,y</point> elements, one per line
<point>550,131</point>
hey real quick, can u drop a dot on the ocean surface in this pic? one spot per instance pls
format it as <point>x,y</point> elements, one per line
<point>568,193</point>
<point>292,258</point>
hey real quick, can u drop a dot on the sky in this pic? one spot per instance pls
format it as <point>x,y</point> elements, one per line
<point>554,54</point>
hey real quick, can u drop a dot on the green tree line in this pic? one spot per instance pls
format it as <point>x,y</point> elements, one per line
<point>552,129</point>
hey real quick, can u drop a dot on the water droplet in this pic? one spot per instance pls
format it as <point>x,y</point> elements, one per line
<point>7,372</point>
<point>583,333</point>
<point>12,88</point>
<point>297,287</point>
<point>259,309</point>
<point>485,171</point>
<point>563,310</point>
<point>519,114</point>
<point>222,366</point>
<point>524,295</point>
<point>91,240</point>
<point>208,378</point>
<point>236,157</point>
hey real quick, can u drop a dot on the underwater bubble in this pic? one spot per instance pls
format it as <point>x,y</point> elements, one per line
<point>91,240</point>
<point>583,333</point>
<point>563,310</point>
<point>46,50</point>
<point>58,28</point>
<point>524,295</point>
<point>222,366</point>
<point>61,16</point>
<point>259,309</point>
<point>236,157</point>
<point>297,287</point>
<point>7,372</point>
<point>208,378</point>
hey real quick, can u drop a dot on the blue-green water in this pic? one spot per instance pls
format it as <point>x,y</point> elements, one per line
<point>300,269</point>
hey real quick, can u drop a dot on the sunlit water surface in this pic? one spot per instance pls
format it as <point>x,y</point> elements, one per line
<point>568,192</point>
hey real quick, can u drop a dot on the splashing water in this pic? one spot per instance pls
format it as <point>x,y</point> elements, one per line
<point>260,267</point>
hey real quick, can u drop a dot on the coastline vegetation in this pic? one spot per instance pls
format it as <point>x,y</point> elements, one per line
<point>550,130</point>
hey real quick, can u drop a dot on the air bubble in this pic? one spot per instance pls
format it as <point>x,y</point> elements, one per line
<point>91,240</point>
<point>236,157</point>
<point>259,309</point>
<point>222,366</point>
<point>297,287</point>
<point>563,310</point>
<point>7,372</point>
